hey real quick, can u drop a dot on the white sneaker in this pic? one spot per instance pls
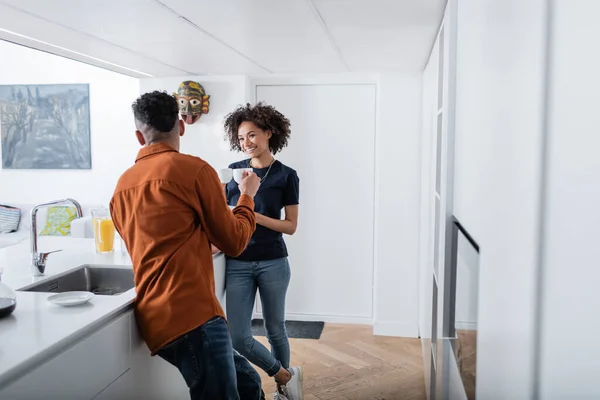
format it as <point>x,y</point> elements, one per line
<point>293,389</point>
<point>279,396</point>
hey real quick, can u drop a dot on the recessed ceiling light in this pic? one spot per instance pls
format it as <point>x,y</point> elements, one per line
<point>77,53</point>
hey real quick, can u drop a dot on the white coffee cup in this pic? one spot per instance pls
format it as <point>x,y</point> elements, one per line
<point>238,173</point>
<point>225,175</point>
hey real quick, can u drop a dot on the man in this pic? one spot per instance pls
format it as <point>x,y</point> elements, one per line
<point>168,208</point>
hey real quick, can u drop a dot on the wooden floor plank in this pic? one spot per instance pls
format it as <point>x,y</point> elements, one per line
<point>407,388</point>
<point>349,363</point>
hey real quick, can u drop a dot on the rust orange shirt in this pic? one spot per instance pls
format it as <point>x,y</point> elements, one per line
<point>168,207</point>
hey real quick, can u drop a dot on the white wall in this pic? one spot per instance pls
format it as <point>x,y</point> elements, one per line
<point>398,185</point>
<point>499,142</point>
<point>205,138</point>
<point>112,129</point>
<point>395,299</point>
<point>398,203</point>
<point>570,326</point>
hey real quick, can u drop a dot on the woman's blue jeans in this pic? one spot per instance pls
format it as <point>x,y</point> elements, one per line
<point>272,279</point>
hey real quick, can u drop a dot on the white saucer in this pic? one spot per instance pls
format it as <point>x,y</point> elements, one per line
<point>70,299</point>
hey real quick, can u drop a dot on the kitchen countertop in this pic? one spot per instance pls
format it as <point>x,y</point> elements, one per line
<point>38,330</point>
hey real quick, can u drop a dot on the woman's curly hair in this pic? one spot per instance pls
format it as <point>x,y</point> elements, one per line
<point>265,117</point>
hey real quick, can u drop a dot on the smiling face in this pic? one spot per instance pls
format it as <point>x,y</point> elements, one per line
<point>192,100</point>
<point>253,140</point>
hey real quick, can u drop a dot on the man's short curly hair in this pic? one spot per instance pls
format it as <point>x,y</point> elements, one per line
<point>157,110</point>
<point>265,117</point>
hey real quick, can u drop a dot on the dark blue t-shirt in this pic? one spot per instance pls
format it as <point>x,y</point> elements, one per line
<point>280,188</point>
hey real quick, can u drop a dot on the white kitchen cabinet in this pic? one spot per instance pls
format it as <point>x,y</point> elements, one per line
<point>83,370</point>
<point>121,389</point>
<point>113,363</point>
<point>152,378</point>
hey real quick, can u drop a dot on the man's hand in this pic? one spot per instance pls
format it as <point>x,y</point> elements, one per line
<point>249,184</point>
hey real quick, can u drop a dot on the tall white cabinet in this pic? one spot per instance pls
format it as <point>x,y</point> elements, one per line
<point>570,300</point>
<point>437,157</point>
<point>526,183</point>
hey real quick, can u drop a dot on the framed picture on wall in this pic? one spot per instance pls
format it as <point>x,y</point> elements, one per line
<point>45,126</point>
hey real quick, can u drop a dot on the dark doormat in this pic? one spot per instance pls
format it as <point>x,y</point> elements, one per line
<point>295,329</point>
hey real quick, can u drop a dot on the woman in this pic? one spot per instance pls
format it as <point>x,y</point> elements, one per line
<point>261,131</point>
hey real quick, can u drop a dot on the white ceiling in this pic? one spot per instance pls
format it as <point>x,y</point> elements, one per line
<point>182,37</point>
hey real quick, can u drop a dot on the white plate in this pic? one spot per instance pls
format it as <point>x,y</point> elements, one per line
<point>70,299</point>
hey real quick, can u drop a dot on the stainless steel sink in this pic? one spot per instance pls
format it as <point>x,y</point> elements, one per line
<point>98,280</point>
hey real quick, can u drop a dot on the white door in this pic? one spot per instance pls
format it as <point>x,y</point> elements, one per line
<point>332,148</point>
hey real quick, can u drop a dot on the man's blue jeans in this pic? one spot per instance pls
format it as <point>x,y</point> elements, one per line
<point>210,367</point>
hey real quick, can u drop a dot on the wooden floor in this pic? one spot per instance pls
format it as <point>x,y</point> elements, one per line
<point>468,360</point>
<point>349,363</point>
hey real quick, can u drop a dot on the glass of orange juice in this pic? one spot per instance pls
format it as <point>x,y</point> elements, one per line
<point>104,230</point>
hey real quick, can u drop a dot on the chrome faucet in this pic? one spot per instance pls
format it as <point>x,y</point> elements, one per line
<point>38,260</point>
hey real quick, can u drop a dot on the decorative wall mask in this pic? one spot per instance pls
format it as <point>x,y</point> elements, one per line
<point>193,101</point>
